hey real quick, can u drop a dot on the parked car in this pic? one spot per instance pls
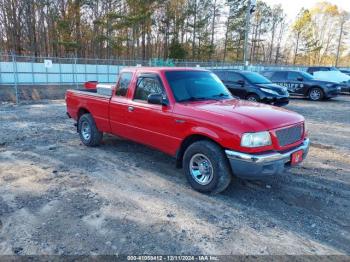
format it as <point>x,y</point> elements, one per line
<point>303,84</point>
<point>346,85</point>
<point>312,69</point>
<point>332,74</point>
<point>190,115</point>
<point>347,72</point>
<point>253,87</point>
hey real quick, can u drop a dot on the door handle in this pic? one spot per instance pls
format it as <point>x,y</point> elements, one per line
<point>131,108</point>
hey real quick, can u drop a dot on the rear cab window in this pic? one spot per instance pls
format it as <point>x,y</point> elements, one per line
<point>123,84</point>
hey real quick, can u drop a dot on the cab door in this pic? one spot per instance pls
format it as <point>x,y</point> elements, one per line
<point>148,123</point>
<point>118,106</point>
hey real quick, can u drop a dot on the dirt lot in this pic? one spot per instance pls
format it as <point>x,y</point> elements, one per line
<point>60,197</point>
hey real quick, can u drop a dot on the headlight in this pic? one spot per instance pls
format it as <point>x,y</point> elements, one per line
<point>269,91</point>
<point>256,139</point>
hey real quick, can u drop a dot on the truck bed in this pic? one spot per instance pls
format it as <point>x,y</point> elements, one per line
<point>94,92</point>
<point>81,101</point>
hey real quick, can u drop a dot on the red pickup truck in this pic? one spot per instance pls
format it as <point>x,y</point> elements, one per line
<point>189,114</point>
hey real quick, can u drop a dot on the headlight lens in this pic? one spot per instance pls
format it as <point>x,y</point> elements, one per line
<point>256,139</point>
<point>269,91</point>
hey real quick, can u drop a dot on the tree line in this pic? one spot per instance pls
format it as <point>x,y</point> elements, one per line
<point>179,29</point>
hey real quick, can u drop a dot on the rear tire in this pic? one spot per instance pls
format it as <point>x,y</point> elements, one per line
<point>206,167</point>
<point>253,98</point>
<point>88,132</point>
<point>316,94</point>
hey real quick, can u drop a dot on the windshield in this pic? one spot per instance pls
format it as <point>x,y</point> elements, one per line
<point>307,76</point>
<point>256,78</point>
<point>196,86</point>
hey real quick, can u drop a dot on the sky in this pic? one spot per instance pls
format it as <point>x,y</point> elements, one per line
<point>292,7</point>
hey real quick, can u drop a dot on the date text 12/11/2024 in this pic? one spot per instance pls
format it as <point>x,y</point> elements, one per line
<point>172,258</point>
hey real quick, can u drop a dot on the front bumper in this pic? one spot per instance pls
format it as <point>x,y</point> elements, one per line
<point>277,101</point>
<point>345,88</point>
<point>257,166</point>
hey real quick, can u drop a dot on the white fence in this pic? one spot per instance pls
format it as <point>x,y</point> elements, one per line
<point>17,71</point>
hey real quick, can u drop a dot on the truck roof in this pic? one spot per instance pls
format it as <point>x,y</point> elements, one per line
<point>161,69</point>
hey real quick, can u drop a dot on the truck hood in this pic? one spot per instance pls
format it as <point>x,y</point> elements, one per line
<point>244,115</point>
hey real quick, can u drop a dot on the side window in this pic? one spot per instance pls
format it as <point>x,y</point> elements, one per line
<point>123,84</point>
<point>279,76</point>
<point>311,70</point>
<point>233,77</point>
<point>293,76</point>
<point>146,86</point>
<point>222,75</point>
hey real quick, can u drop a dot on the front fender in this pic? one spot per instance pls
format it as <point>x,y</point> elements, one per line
<point>221,136</point>
<point>199,130</point>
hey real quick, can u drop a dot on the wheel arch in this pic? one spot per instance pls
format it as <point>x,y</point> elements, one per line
<point>82,111</point>
<point>189,140</point>
<point>315,86</point>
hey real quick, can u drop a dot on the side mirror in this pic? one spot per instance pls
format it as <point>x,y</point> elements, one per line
<point>300,79</point>
<point>157,99</point>
<point>241,82</point>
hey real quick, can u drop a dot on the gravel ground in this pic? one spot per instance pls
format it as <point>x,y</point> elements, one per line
<point>60,197</point>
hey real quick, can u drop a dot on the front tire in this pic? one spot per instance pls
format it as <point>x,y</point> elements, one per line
<point>253,98</point>
<point>206,167</point>
<point>316,94</point>
<point>88,132</point>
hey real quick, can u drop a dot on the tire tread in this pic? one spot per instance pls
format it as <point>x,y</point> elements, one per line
<point>219,161</point>
<point>96,135</point>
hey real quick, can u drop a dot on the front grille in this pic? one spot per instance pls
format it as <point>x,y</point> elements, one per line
<point>290,135</point>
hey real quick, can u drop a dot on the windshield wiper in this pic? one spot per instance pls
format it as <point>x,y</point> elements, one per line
<point>193,99</point>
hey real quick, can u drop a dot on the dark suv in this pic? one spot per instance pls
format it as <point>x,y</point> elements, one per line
<point>253,87</point>
<point>303,84</point>
<point>345,86</point>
